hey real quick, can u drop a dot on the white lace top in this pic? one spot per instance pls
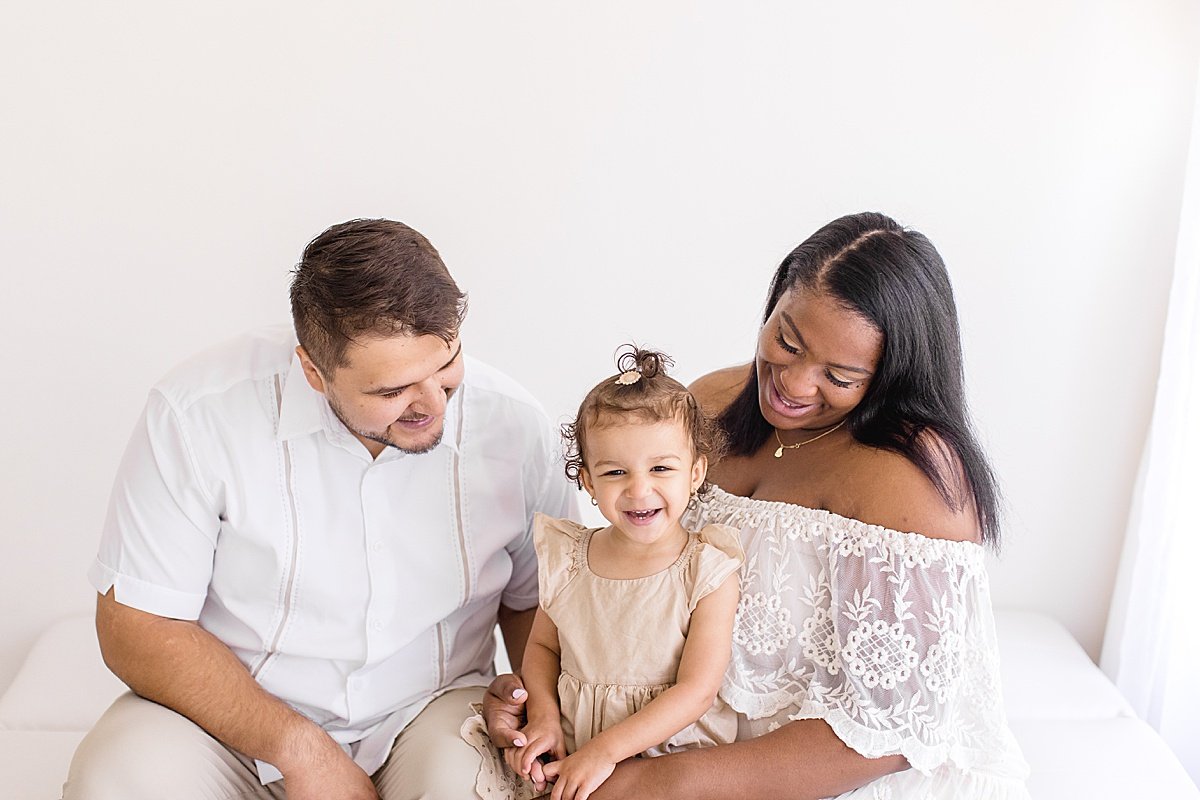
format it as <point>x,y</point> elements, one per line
<point>887,636</point>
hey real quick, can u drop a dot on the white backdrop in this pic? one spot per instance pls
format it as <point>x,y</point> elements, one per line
<point>591,173</point>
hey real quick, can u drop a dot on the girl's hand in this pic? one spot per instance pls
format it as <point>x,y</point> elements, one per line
<point>541,737</point>
<point>578,775</point>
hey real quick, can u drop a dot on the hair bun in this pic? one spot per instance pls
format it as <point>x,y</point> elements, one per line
<point>647,363</point>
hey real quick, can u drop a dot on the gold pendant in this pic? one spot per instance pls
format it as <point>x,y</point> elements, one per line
<point>779,452</point>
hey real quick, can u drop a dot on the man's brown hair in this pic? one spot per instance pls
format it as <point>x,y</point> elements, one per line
<point>371,277</point>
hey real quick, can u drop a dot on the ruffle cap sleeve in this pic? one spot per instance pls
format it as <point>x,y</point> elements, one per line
<point>718,555</point>
<point>558,544</point>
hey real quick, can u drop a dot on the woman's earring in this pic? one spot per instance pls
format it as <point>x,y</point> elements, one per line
<point>693,501</point>
<point>594,501</point>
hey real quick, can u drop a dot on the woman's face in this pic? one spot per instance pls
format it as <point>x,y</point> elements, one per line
<point>815,361</point>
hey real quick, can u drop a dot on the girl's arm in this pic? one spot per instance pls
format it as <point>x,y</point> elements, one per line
<point>543,730</point>
<point>701,669</point>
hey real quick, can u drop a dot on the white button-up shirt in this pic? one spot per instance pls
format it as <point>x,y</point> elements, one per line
<point>354,589</point>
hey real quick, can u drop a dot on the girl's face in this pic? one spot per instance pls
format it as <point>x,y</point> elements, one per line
<point>642,475</point>
<point>814,362</point>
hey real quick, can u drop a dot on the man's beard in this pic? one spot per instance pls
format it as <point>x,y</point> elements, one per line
<point>384,437</point>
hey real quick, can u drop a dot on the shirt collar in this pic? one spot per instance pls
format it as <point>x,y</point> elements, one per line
<point>304,410</point>
<point>453,415</point>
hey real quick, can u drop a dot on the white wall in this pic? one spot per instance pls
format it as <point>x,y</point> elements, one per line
<point>591,173</point>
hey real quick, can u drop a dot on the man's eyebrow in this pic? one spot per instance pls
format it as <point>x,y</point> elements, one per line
<point>804,345</point>
<point>457,353</point>
<point>395,389</point>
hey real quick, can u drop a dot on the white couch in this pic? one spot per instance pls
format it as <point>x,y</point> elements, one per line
<point>1076,730</point>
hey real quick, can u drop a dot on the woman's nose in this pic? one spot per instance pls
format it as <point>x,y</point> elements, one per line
<point>798,381</point>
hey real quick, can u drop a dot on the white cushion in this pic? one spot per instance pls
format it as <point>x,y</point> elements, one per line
<point>33,764</point>
<point>1073,726</point>
<point>1100,759</point>
<point>1045,674</point>
<point>63,684</point>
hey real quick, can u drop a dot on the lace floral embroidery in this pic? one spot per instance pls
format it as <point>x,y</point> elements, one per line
<point>881,654</point>
<point>888,636</point>
<point>763,625</point>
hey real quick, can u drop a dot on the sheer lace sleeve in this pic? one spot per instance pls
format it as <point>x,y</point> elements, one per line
<point>887,636</point>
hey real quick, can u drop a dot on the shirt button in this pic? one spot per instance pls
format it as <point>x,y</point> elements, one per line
<point>377,546</point>
<point>377,625</point>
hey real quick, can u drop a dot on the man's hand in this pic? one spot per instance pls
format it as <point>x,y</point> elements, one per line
<point>504,711</point>
<point>318,769</point>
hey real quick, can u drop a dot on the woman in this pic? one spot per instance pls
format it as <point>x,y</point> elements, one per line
<point>864,656</point>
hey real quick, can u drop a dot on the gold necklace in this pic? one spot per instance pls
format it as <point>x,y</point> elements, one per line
<point>779,450</point>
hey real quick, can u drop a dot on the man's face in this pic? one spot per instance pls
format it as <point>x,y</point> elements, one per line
<point>394,390</point>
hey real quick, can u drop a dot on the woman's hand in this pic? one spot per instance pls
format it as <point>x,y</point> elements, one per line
<point>578,775</point>
<point>504,710</point>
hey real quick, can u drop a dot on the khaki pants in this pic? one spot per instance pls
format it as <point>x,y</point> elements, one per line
<point>140,750</point>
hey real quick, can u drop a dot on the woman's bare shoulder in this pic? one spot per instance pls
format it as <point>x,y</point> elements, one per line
<point>716,390</point>
<point>890,490</point>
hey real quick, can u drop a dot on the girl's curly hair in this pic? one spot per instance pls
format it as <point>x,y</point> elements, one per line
<point>643,390</point>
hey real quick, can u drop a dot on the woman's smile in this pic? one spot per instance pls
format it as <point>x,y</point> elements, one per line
<point>785,406</point>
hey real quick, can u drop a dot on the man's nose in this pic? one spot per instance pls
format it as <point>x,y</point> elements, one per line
<point>432,399</point>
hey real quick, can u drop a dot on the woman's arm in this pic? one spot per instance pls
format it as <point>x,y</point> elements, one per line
<point>803,760</point>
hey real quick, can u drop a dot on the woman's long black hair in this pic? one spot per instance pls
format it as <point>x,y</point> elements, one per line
<point>915,404</point>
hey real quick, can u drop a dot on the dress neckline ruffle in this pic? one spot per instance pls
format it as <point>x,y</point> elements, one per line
<point>848,535</point>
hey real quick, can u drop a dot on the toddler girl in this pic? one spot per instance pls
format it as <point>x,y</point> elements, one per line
<point>632,634</point>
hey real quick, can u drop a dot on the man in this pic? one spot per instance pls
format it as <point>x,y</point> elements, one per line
<point>309,543</point>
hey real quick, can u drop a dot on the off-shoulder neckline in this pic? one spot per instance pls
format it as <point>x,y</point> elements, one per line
<point>851,525</point>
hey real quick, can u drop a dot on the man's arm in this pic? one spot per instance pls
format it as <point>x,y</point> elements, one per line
<point>515,627</point>
<point>180,665</point>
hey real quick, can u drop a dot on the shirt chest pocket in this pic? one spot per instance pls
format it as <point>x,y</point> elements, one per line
<point>416,554</point>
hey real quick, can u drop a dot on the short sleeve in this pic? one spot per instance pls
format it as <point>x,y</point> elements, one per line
<point>160,533</point>
<point>546,492</point>
<point>557,543</point>
<point>904,658</point>
<point>718,556</point>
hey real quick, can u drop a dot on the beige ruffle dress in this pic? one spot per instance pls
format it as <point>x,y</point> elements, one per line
<point>620,640</point>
